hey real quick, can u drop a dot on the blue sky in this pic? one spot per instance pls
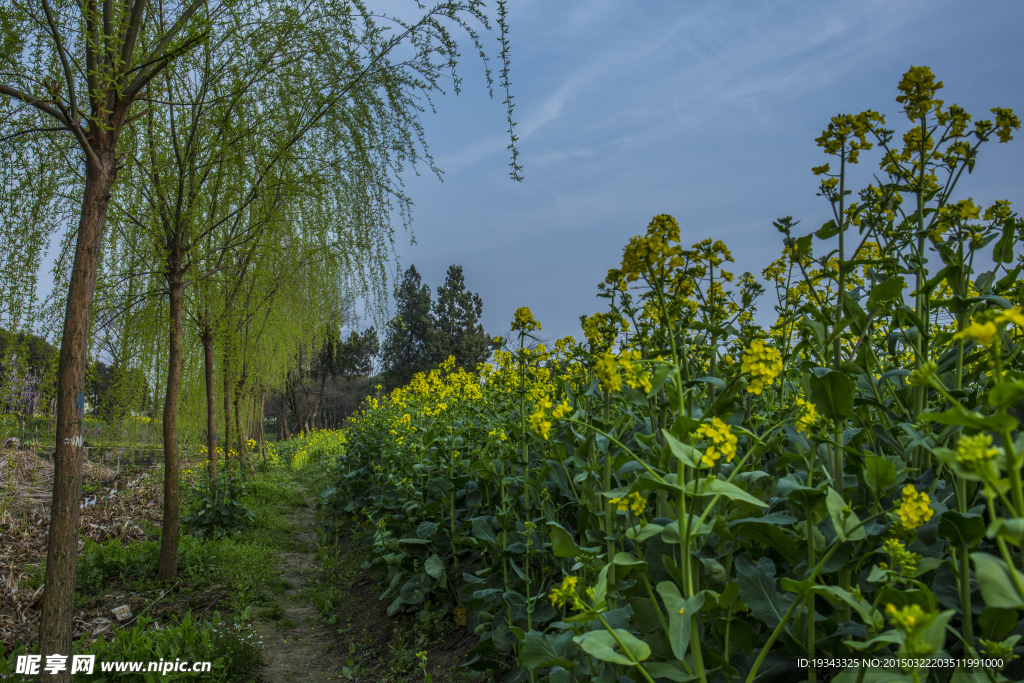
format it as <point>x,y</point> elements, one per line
<point>704,110</point>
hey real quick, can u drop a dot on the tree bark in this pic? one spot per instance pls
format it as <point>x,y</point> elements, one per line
<point>168,568</point>
<point>262,422</point>
<point>227,412</point>
<point>211,403</point>
<point>242,461</point>
<point>56,624</point>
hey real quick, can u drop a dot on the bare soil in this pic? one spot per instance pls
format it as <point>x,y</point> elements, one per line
<point>298,646</point>
<point>363,643</point>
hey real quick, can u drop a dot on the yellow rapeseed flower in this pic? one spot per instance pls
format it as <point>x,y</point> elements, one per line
<point>983,333</point>
<point>564,594</point>
<point>764,363</point>
<point>1011,315</point>
<point>915,509</point>
<point>524,320</point>
<point>808,416</point>
<point>607,369</point>
<point>723,441</point>
<point>633,502</point>
<point>909,618</point>
<point>562,410</point>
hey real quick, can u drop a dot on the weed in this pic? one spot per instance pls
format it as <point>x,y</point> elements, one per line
<point>273,613</point>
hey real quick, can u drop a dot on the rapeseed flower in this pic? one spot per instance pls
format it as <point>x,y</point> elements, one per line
<point>764,363</point>
<point>1011,315</point>
<point>564,594</point>
<point>808,416</point>
<point>909,618</point>
<point>973,452</point>
<point>636,376</point>
<point>524,321</point>
<point>607,368</point>
<point>562,410</point>
<point>723,441</point>
<point>915,509</point>
<point>634,502</point>
<point>654,254</point>
<point>900,557</point>
<point>983,333</point>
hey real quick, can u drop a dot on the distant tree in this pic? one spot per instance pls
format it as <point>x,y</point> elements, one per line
<point>409,345</point>
<point>354,357</point>
<point>458,331</point>
<point>114,391</point>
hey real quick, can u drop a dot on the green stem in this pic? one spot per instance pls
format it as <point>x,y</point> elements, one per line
<point>625,650</point>
<point>796,602</point>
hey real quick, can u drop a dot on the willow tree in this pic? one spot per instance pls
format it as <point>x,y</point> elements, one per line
<point>250,132</point>
<point>77,69</point>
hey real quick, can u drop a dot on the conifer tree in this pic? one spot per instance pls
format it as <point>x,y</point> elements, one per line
<point>409,345</point>
<point>458,331</point>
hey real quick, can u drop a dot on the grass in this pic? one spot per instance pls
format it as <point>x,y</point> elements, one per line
<point>241,563</point>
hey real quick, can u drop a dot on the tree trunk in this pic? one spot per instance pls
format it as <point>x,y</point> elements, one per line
<point>55,628</point>
<point>262,422</point>
<point>242,461</point>
<point>168,568</point>
<point>227,412</point>
<point>211,403</point>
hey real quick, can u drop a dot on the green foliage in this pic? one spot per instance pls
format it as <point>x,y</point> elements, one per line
<point>115,391</point>
<point>407,347</point>
<point>457,328</point>
<point>233,650</point>
<point>218,510</point>
<point>424,333</point>
<point>101,562</point>
<point>688,496</point>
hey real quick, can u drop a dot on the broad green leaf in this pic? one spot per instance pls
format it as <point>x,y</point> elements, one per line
<point>562,543</point>
<point>879,474</point>
<point>669,670</point>
<point>1003,251</point>
<point>680,615</point>
<point>627,560</point>
<point>482,530</point>
<point>685,453</point>
<point>835,595</point>
<point>832,395</point>
<point>845,521</point>
<point>767,534</point>
<point>961,417</point>
<point>434,566</point>
<point>962,674</point>
<point>713,487</point>
<point>884,639</point>
<point>1010,529</point>
<point>757,590</point>
<point>540,650</point>
<point>1007,394</point>
<point>641,534</point>
<point>886,292</point>
<point>996,581</point>
<point>810,500</point>
<point>932,637</point>
<point>604,646</point>
<point>601,587</point>
<point>996,623</point>
<point>829,229</point>
<point>960,528</point>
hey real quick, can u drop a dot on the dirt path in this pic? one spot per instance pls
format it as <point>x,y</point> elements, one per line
<point>298,646</point>
<point>329,624</point>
